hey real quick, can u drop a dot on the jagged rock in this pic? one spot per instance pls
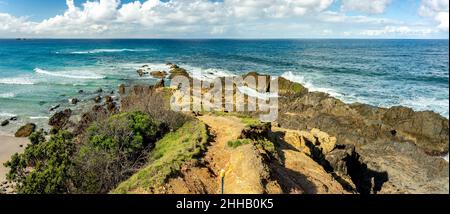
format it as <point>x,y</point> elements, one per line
<point>122,89</point>
<point>372,131</point>
<point>5,122</point>
<point>54,107</point>
<point>111,106</point>
<point>159,84</point>
<point>158,74</point>
<point>326,143</point>
<point>142,72</point>
<point>74,101</point>
<point>108,99</point>
<point>60,119</point>
<point>26,130</point>
<point>177,71</point>
<point>13,118</point>
<point>97,99</point>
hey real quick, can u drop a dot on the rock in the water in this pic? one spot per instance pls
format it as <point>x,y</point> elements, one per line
<point>54,107</point>
<point>158,74</point>
<point>142,72</point>
<point>13,118</point>
<point>122,89</point>
<point>97,99</point>
<point>80,91</point>
<point>26,130</point>
<point>73,101</point>
<point>100,90</point>
<point>60,119</point>
<point>108,99</point>
<point>5,122</point>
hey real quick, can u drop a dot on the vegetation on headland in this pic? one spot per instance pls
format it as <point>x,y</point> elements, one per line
<point>145,146</point>
<point>170,153</point>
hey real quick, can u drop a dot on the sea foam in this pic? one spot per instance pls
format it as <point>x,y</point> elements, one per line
<point>70,74</point>
<point>97,51</point>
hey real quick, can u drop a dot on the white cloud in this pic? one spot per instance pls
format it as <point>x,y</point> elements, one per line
<point>398,30</point>
<point>437,10</point>
<point>366,6</point>
<point>205,18</point>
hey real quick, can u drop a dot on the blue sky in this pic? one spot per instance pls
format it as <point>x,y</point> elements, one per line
<point>224,18</point>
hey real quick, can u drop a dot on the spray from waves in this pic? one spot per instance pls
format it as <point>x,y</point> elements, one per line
<point>6,114</point>
<point>16,81</point>
<point>97,51</point>
<point>208,74</point>
<point>301,79</point>
<point>70,74</point>
<point>440,106</point>
<point>7,95</point>
<point>254,93</point>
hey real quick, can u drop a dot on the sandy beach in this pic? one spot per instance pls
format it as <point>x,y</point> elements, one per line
<point>9,145</point>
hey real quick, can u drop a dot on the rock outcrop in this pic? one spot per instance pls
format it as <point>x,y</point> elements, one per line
<point>26,130</point>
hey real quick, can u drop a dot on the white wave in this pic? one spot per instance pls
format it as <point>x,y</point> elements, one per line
<point>426,103</point>
<point>301,79</point>
<point>96,51</point>
<point>16,81</point>
<point>206,74</point>
<point>254,93</point>
<point>39,117</point>
<point>7,95</point>
<point>70,74</point>
<point>6,114</point>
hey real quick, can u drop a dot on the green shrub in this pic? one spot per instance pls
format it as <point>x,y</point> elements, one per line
<point>166,159</point>
<point>44,166</point>
<point>113,149</point>
<point>236,143</point>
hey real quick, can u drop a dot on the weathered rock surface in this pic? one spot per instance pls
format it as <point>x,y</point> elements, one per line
<point>59,120</point>
<point>396,150</point>
<point>5,123</point>
<point>26,130</point>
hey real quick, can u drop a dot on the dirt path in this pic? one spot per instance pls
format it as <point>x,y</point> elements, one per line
<point>205,178</point>
<point>224,129</point>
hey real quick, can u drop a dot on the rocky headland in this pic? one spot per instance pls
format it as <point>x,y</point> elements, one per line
<point>318,145</point>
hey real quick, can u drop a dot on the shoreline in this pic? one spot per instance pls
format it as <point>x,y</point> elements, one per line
<point>9,145</point>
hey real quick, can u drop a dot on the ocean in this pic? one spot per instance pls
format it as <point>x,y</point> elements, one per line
<point>38,74</point>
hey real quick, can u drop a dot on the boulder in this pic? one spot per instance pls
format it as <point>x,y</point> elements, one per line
<point>26,130</point>
<point>5,122</point>
<point>122,89</point>
<point>142,72</point>
<point>158,74</point>
<point>60,119</point>
<point>108,99</point>
<point>73,101</point>
<point>97,99</point>
<point>13,118</point>
<point>54,107</point>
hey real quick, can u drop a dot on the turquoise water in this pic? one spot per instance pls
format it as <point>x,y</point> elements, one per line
<point>38,74</point>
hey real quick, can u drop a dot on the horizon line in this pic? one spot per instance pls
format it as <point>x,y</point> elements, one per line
<point>215,38</point>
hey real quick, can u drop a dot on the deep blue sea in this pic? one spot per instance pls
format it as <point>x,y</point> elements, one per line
<point>38,74</point>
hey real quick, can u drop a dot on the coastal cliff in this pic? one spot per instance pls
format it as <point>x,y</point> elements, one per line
<point>318,145</point>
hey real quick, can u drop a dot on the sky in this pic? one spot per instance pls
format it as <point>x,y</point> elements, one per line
<point>224,18</point>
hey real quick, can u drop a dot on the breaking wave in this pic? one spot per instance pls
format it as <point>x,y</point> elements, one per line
<point>70,74</point>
